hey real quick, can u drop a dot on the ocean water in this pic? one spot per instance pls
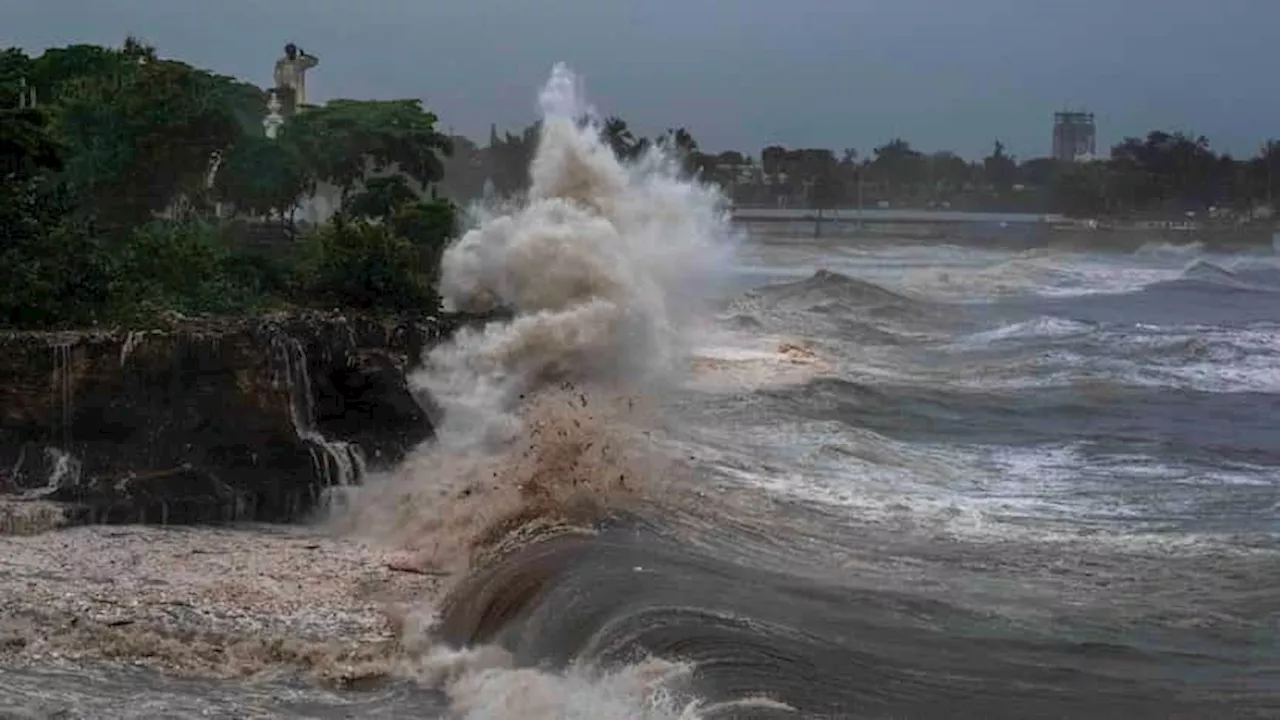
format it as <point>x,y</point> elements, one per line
<point>877,479</point>
<point>1024,501</point>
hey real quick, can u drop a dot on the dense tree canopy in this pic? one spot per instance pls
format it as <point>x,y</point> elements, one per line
<point>116,187</point>
<point>48,270</point>
<point>345,140</point>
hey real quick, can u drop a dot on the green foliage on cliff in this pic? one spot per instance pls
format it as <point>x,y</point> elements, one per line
<point>189,266</point>
<point>139,184</point>
<point>49,269</point>
<point>260,176</point>
<point>366,265</point>
<point>346,140</point>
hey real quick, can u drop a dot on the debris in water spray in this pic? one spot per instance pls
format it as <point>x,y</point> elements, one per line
<point>601,267</point>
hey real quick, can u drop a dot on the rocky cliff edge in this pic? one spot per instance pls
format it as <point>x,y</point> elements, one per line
<point>205,420</point>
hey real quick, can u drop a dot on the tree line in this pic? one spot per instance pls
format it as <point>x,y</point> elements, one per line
<point>134,183</point>
<point>1162,173</point>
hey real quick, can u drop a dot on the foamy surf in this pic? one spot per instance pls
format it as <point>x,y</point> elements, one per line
<point>602,267</point>
<point>754,364</point>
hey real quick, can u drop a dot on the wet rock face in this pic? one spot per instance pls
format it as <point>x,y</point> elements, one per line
<point>206,420</point>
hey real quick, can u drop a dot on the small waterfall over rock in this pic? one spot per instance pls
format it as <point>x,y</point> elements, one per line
<point>60,468</point>
<point>64,470</point>
<point>337,463</point>
<point>61,383</point>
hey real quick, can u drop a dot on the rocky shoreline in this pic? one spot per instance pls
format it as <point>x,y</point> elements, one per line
<point>205,420</point>
<point>151,482</point>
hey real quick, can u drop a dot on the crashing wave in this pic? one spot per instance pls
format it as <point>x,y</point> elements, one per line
<point>602,267</point>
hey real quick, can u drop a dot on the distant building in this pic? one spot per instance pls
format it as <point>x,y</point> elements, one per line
<point>1075,137</point>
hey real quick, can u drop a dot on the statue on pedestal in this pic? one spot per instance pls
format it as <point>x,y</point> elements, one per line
<point>291,77</point>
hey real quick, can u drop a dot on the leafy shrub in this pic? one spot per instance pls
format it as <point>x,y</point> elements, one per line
<point>51,269</point>
<point>59,276</point>
<point>429,226</point>
<point>380,197</point>
<point>365,265</point>
<point>188,266</point>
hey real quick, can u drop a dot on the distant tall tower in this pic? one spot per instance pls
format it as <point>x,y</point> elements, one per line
<point>1075,137</point>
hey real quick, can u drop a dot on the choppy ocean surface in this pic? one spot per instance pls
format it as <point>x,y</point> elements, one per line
<point>939,482</point>
<point>894,480</point>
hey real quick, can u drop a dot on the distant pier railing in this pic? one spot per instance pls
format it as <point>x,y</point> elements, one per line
<point>879,216</point>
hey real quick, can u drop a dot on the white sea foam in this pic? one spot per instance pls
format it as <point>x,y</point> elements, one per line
<point>1203,359</point>
<point>604,266</point>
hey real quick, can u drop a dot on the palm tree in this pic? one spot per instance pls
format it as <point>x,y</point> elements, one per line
<point>679,144</point>
<point>619,138</point>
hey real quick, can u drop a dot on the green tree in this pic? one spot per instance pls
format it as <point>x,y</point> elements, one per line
<point>508,158</point>
<point>818,171</point>
<point>141,131</point>
<point>620,139</point>
<point>95,180</point>
<point>344,141</point>
<point>680,145</point>
<point>899,167</point>
<point>1081,189</point>
<point>949,174</point>
<point>1038,172</point>
<point>380,197</point>
<point>1171,171</point>
<point>185,265</point>
<point>1260,175</point>
<point>61,71</point>
<point>15,67</point>
<point>261,177</point>
<point>464,170</point>
<point>426,224</point>
<point>50,270</point>
<point>368,266</point>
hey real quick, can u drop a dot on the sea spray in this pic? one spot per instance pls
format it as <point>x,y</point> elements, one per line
<point>602,268</point>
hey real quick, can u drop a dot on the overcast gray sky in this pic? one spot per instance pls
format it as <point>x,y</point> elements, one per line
<point>944,74</point>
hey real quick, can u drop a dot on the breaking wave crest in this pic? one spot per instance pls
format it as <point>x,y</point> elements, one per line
<point>600,269</point>
<point>833,305</point>
<point>1203,274</point>
<point>826,288</point>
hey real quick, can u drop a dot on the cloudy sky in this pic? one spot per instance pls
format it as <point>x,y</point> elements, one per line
<point>746,73</point>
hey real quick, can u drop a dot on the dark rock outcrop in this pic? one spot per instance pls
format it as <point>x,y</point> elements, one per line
<point>207,420</point>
